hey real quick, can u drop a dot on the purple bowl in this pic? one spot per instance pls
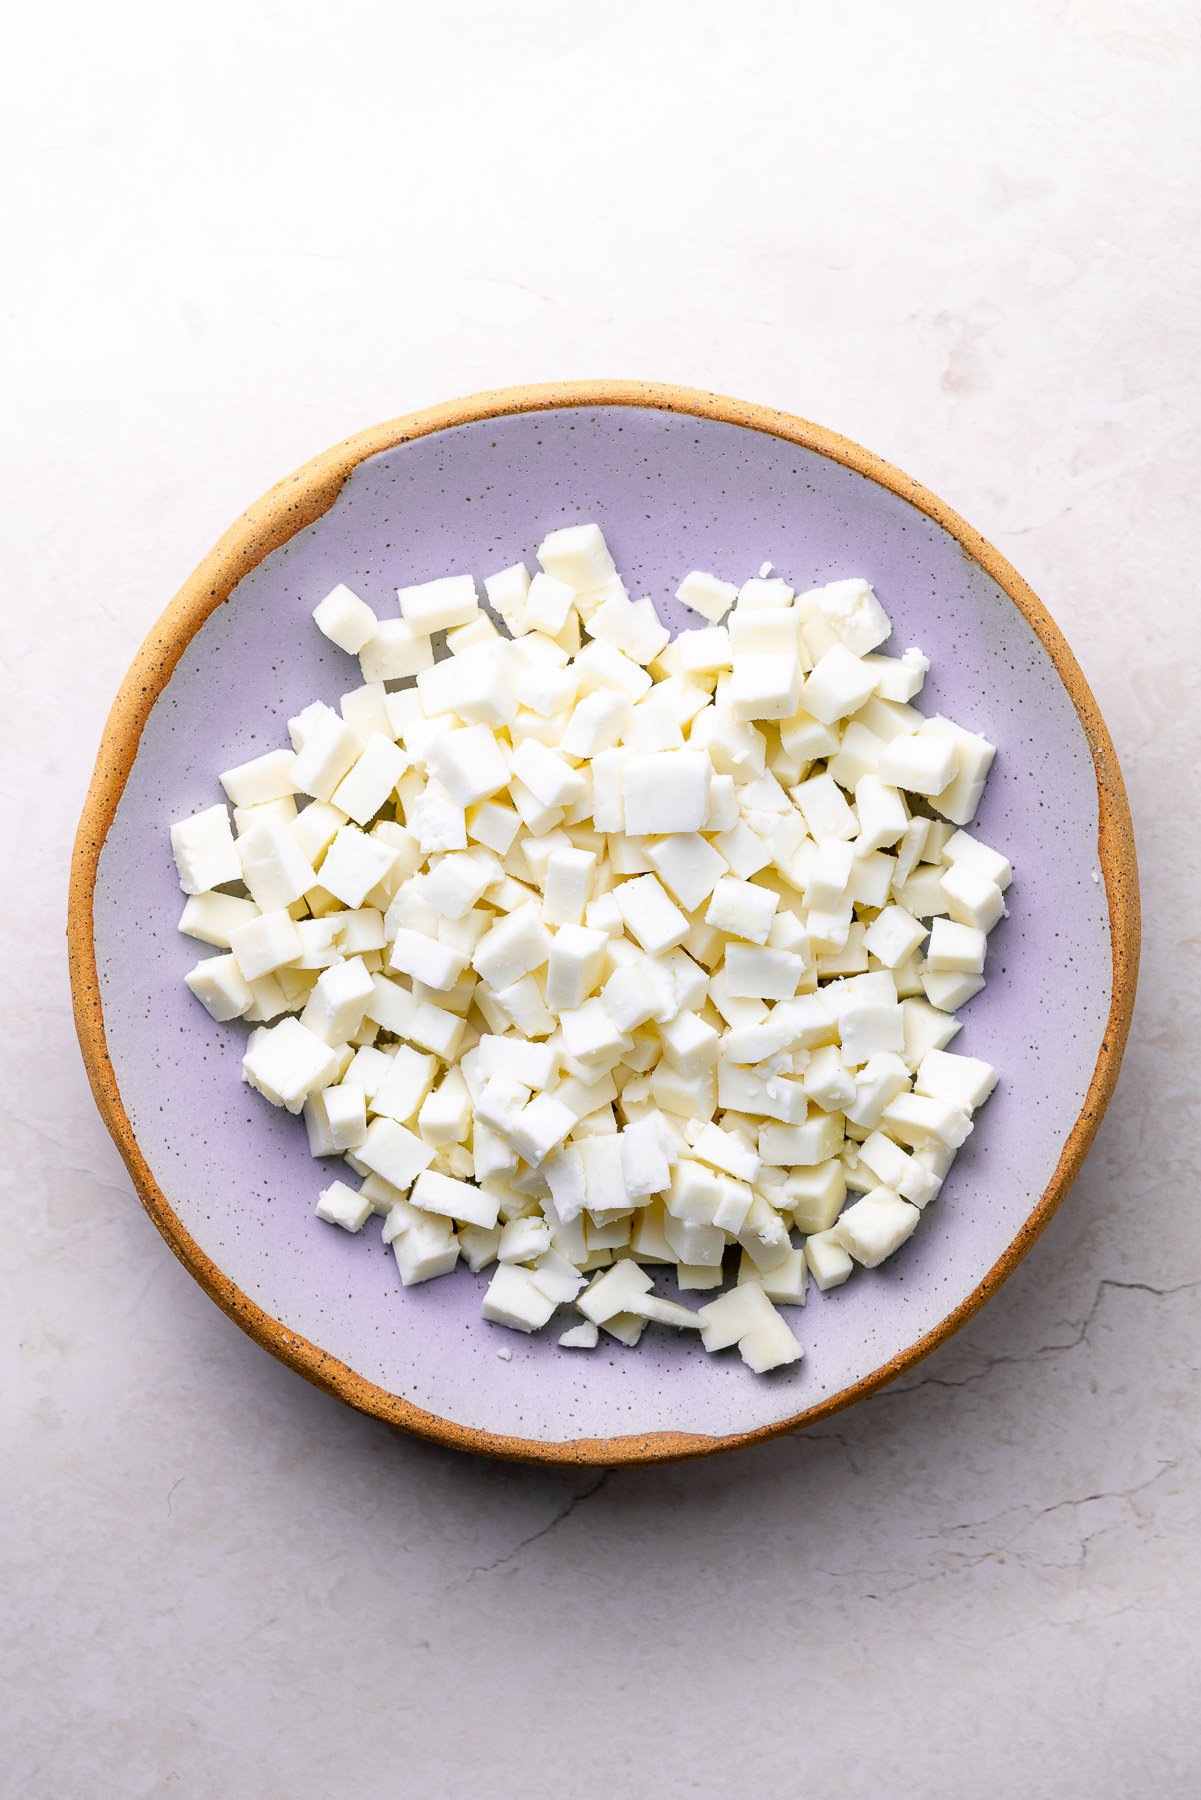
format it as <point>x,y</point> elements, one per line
<point>677,481</point>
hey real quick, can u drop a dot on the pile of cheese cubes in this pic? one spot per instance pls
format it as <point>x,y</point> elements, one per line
<point>595,953</point>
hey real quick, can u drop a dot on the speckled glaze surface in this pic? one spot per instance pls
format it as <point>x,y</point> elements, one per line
<point>677,481</point>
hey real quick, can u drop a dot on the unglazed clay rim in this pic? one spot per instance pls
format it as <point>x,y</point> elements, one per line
<point>294,504</point>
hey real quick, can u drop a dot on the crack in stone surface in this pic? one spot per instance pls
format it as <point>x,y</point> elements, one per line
<point>553,1524</point>
<point>1081,1331</point>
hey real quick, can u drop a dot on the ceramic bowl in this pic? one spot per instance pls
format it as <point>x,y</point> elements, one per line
<point>678,480</point>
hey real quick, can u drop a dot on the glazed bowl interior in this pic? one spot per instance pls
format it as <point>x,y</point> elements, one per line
<point>229,1180</point>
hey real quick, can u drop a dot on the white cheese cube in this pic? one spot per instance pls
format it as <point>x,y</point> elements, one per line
<point>764,686</point>
<point>469,764</point>
<point>688,866</point>
<point>926,1028</point>
<point>444,1117</point>
<point>764,631</point>
<point>965,1081</point>
<point>871,1030</point>
<point>354,864</point>
<point>955,948</point>
<point>365,710</point>
<point>653,725</point>
<point>742,909</point>
<point>829,874</point>
<point>825,809</point>
<point>961,848</point>
<point>899,678</point>
<point>500,1103</point>
<point>882,814</point>
<point>456,882</point>
<point>515,1299</point>
<point>568,885</point>
<point>479,1247</point>
<point>813,1140</point>
<point>827,1080</point>
<point>769,1346</point>
<point>335,1119</point>
<point>495,825</point>
<point>524,1239</point>
<point>265,942</point>
<point>918,1118</point>
<point>972,899</point>
<point>204,851</point>
<point>552,780</point>
<point>893,935</point>
<point>214,917</point>
<point>949,991</point>
<point>575,965</point>
<point>547,604</point>
<point>314,830</point>
<point>604,1179</point>
<point>705,651</point>
<point>329,752</point>
<point>287,1063</point>
<point>960,798</point>
<point>785,1282</point>
<point>922,763</point>
<point>707,595</point>
<point>425,1251</point>
<point>483,685</point>
<point>517,944</point>
<point>540,1129</point>
<point>666,792</point>
<point>633,629</point>
<point>345,620</point>
<point>689,1044</point>
<point>655,921</point>
<point>874,1227</point>
<point>263,779</point>
<point>274,868</point>
<point>452,1199</point>
<point>762,593</point>
<point>882,1078</point>
<point>338,1002</point>
<point>591,1038</point>
<point>372,781</point>
<point>755,973</point>
<point>341,1205</point>
<point>827,1261</point>
<point>838,684</point>
<point>577,555</point>
<point>726,1151</point>
<point>395,652</point>
<point>507,592</point>
<point>438,605</point>
<point>644,1163</point>
<point>596,723</point>
<point>392,1151</point>
<point>815,1195</point>
<point>221,987</point>
<point>402,1091</point>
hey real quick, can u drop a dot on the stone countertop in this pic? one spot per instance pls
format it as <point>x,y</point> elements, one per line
<point>967,237</point>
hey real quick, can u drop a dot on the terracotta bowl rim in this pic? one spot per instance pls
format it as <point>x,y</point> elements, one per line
<point>295,503</point>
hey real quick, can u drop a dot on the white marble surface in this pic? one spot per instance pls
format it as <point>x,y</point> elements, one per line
<point>967,236</point>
